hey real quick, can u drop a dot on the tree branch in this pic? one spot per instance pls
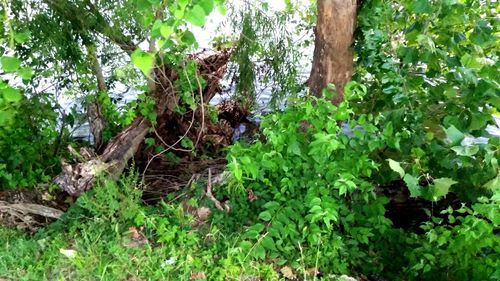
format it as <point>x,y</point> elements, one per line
<point>90,20</point>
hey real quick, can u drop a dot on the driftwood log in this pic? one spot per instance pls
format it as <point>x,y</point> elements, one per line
<point>28,208</point>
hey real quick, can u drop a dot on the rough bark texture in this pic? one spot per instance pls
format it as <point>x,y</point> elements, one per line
<point>333,59</point>
<point>79,177</point>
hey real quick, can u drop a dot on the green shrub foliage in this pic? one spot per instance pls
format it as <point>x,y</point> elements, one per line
<point>314,202</point>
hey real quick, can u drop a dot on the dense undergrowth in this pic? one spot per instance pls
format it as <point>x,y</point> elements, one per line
<point>303,204</point>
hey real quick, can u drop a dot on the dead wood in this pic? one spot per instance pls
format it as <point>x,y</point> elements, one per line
<point>79,177</point>
<point>28,208</point>
<point>209,194</point>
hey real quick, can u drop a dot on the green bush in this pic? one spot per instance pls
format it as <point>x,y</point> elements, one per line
<point>314,205</point>
<point>30,146</point>
<point>465,247</point>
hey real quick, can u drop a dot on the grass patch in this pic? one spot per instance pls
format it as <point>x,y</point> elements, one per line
<point>109,235</point>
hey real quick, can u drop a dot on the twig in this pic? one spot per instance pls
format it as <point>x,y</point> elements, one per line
<point>209,194</point>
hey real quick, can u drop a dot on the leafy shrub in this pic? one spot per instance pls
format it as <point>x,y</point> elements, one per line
<point>431,72</point>
<point>466,247</point>
<point>313,203</point>
<point>30,147</point>
<point>113,200</point>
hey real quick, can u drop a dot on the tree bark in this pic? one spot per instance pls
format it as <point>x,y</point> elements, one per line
<point>333,58</point>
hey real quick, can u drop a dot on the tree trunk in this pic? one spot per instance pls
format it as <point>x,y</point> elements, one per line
<point>97,121</point>
<point>333,58</point>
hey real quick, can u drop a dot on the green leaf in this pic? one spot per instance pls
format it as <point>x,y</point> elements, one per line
<point>396,167</point>
<point>222,9</point>
<point>246,246</point>
<point>166,30</point>
<point>454,136</point>
<point>471,62</point>
<point>187,143</point>
<point>466,151</point>
<point>144,61</point>
<point>413,186</point>
<point>388,130</point>
<point>235,168</point>
<point>268,243</point>
<point>10,64</point>
<point>259,252</point>
<point>493,184</point>
<point>293,147</point>
<point>4,117</point>
<point>196,15</point>
<point>265,216</point>
<point>26,73</point>
<point>207,5</point>
<point>482,33</point>
<point>149,141</point>
<point>7,116</point>
<point>421,6</point>
<point>12,95</point>
<point>188,38</point>
<point>182,3</point>
<point>179,13</point>
<point>441,187</point>
<point>22,37</point>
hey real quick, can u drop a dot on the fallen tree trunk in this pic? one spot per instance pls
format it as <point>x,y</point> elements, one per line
<point>79,177</point>
<point>28,208</point>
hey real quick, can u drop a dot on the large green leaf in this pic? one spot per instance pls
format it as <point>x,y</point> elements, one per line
<point>413,186</point>
<point>265,216</point>
<point>196,15</point>
<point>454,135</point>
<point>469,151</point>
<point>144,61</point>
<point>207,5</point>
<point>396,167</point>
<point>12,95</point>
<point>166,30</point>
<point>25,73</point>
<point>10,64</point>
<point>421,6</point>
<point>494,184</point>
<point>22,37</point>
<point>188,38</point>
<point>441,187</point>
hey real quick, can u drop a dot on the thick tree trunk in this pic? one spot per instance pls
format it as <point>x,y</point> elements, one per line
<point>333,59</point>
